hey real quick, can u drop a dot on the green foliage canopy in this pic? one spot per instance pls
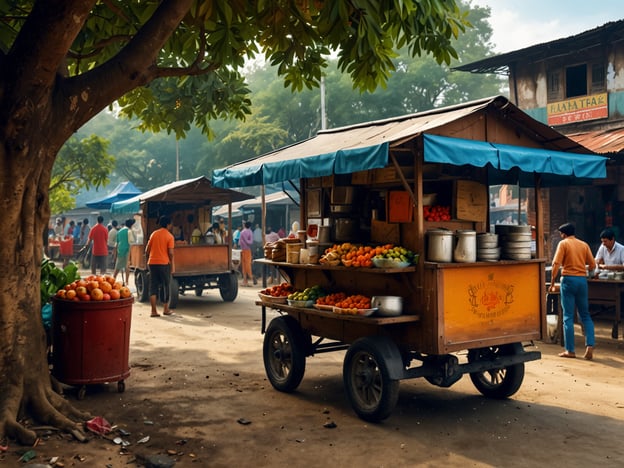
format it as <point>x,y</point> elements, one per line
<point>80,165</point>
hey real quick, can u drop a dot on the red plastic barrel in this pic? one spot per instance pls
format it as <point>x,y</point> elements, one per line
<point>67,247</point>
<point>91,341</point>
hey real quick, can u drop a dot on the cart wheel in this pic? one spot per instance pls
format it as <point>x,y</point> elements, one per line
<point>370,389</point>
<point>497,383</point>
<point>284,354</point>
<point>228,287</point>
<point>121,386</point>
<point>174,293</point>
<point>82,392</point>
<point>199,291</point>
<point>141,281</point>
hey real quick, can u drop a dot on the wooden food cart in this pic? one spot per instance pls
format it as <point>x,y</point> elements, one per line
<point>197,265</point>
<point>458,317</point>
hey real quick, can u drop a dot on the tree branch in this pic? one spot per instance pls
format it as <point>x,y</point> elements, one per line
<point>133,66</point>
<point>40,47</point>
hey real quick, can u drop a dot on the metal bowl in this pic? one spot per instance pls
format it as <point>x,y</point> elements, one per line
<point>387,306</point>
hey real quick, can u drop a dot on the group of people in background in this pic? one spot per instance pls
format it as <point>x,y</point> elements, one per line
<point>575,263</point>
<point>107,243</point>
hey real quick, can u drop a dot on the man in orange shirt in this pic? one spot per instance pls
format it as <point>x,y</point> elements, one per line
<point>99,255</point>
<point>159,253</point>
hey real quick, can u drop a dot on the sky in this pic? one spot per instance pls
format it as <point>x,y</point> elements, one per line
<point>517,24</point>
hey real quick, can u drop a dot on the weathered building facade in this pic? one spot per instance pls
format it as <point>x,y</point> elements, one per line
<point>575,85</point>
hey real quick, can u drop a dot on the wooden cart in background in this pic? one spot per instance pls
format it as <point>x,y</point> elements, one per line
<point>198,266</point>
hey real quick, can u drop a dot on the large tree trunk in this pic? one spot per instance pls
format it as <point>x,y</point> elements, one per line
<point>25,383</point>
<point>40,108</point>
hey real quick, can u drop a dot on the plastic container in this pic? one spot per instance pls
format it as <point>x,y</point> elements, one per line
<point>66,246</point>
<point>292,252</point>
<point>91,341</point>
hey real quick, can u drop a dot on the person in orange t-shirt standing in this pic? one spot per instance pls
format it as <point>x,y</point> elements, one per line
<point>574,257</point>
<point>99,255</point>
<point>159,253</point>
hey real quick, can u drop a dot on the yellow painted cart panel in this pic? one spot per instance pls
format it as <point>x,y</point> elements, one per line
<point>486,303</point>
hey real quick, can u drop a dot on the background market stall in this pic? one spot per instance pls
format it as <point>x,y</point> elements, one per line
<point>197,266</point>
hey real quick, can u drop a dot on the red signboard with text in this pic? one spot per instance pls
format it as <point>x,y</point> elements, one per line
<point>578,109</point>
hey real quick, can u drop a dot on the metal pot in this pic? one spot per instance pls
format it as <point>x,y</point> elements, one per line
<point>440,248</point>
<point>466,247</point>
<point>388,306</point>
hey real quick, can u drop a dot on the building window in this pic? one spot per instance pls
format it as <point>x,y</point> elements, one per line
<point>576,81</point>
<point>554,85</point>
<point>598,78</point>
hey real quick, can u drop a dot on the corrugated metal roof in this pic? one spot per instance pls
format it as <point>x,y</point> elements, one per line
<point>601,141</point>
<point>196,191</point>
<point>365,146</point>
<point>396,130</point>
<point>597,37</point>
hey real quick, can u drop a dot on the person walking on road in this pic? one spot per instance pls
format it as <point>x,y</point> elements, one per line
<point>245,243</point>
<point>122,249</point>
<point>98,235</point>
<point>159,253</point>
<point>574,256</point>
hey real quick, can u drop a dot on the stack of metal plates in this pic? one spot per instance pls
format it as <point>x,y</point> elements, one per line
<point>487,247</point>
<point>515,241</point>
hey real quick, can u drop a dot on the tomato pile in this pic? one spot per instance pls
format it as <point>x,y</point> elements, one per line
<point>94,288</point>
<point>279,290</point>
<point>331,299</point>
<point>356,301</point>
<point>437,213</point>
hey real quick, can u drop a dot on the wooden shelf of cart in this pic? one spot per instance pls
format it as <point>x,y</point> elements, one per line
<point>345,328</point>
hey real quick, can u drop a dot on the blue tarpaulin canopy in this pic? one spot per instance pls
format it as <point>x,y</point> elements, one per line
<point>192,191</point>
<point>367,146</point>
<point>123,191</point>
<point>520,161</point>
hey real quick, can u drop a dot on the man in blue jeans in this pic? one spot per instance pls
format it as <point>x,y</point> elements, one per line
<point>574,256</point>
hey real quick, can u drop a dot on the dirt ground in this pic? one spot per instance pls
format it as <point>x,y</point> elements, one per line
<point>198,390</point>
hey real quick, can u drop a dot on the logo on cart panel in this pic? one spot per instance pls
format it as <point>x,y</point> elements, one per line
<point>491,298</point>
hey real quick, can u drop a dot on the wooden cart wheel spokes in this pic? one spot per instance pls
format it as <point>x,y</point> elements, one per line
<point>141,281</point>
<point>228,287</point>
<point>370,389</point>
<point>497,383</point>
<point>284,353</point>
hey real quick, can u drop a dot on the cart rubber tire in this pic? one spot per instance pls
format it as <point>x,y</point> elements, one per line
<point>284,354</point>
<point>174,293</point>
<point>373,394</point>
<point>141,281</point>
<point>228,287</point>
<point>121,386</point>
<point>82,392</point>
<point>497,383</point>
<point>199,290</point>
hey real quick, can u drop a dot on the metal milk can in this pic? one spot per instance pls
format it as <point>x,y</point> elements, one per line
<point>466,247</point>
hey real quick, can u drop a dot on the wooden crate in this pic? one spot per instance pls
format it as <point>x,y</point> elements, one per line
<point>385,233</point>
<point>362,177</point>
<point>390,174</point>
<point>471,200</point>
